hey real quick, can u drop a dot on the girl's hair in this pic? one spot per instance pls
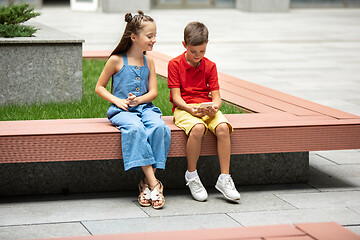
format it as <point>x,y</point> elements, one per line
<point>134,25</point>
<point>196,33</point>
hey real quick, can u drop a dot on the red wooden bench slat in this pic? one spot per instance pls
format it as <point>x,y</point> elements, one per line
<point>247,103</point>
<point>286,97</point>
<point>328,231</point>
<point>266,100</point>
<point>306,231</point>
<point>241,233</point>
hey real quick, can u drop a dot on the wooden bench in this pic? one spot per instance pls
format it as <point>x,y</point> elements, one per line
<point>302,231</point>
<point>278,123</point>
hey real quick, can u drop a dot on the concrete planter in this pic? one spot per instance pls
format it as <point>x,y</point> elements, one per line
<point>113,6</point>
<point>263,5</point>
<point>36,3</point>
<point>44,68</point>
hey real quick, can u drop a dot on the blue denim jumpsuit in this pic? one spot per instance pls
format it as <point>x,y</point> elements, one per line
<point>145,138</point>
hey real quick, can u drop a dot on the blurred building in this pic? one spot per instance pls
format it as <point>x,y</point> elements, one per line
<point>245,5</point>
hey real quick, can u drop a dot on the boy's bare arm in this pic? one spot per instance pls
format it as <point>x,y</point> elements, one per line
<point>180,103</point>
<point>216,99</point>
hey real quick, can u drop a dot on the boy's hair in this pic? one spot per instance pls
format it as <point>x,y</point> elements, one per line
<point>134,25</point>
<point>195,34</point>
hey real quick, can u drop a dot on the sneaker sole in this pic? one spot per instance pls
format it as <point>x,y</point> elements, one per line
<point>228,198</point>
<point>199,200</point>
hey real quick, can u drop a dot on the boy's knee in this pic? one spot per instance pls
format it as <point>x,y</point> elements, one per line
<point>222,130</point>
<point>197,131</point>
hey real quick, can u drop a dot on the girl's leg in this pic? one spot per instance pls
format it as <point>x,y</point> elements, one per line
<point>193,146</point>
<point>149,172</point>
<point>135,147</point>
<point>223,147</point>
<point>158,136</point>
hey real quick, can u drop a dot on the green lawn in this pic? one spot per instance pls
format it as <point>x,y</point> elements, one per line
<point>91,105</point>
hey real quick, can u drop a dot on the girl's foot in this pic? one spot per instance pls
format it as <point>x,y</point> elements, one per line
<point>144,198</point>
<point>157,197</point>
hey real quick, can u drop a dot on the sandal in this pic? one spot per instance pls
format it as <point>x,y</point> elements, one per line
<point>157,196</point>
<point>144,198</point>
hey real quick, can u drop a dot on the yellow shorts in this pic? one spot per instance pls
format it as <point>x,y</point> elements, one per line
<point>186,121</point>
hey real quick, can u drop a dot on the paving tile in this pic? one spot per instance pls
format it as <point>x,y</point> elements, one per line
<point>337,178</point>
<point>327,183</point>
<point>155,224</point>
<point>354,229</point>
<point>278,188</point>
<point>352,170</point>
<point>322,200</point>
<point>355,208</point>
<point>47,211</point>
<point>43,231</point>
<point>317,160</point>
<point>180,202</point>
<point>341,215</point>
<point>341,156</point>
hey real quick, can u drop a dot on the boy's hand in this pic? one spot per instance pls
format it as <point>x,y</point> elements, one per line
<point>197,111</point>
<point>133,100</point>
<point>211,111</point>
<point>122,104</point>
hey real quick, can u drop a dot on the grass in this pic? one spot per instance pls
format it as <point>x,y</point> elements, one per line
<point>91,105</point>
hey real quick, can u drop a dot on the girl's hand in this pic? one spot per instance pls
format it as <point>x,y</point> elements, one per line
<point>133,100</point>
<point>122,104</point>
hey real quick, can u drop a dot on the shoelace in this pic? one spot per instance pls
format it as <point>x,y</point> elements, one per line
<point>229,183</point>
<point>197,185</point>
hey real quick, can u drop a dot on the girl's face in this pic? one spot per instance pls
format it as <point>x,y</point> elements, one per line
<point>146,38</point>
<point>194,54</point>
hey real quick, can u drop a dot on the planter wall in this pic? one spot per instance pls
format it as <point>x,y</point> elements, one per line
<point>44,68</point>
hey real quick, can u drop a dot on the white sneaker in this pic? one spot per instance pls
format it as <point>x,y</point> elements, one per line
<point>227,188</point>
<point>197,190</point>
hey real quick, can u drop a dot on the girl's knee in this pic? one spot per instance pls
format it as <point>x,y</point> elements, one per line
<point>197,131</point>
<point>135,128</point>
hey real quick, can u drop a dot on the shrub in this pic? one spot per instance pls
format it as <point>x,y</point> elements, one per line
<point>11,17</point>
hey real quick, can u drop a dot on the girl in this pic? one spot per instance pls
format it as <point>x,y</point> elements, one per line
<point>145,139</point>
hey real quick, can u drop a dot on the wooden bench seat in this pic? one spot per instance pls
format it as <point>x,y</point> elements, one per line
<point>96,139</point>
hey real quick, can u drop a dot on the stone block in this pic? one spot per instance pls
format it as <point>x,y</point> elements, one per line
<point>44,68</point>
<point>263,5</point>
<point>109,175</point>
<point>36,3</point>
<point>123,6</point>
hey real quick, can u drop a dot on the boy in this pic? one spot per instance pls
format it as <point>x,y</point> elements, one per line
<point>191,78</point>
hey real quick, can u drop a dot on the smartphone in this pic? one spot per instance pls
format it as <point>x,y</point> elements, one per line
<point>206,104</point>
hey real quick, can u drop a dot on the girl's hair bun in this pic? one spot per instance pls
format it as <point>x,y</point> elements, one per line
<point>141,13</point>
<point>128,17</point>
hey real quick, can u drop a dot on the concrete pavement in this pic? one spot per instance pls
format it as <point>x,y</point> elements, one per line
<point>310,53</point>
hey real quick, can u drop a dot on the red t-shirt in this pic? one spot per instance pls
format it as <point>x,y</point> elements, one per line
<point>195,83</point>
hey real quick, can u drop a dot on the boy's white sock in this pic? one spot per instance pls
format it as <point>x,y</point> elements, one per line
<point>191,175</point>
<point>224,176</point>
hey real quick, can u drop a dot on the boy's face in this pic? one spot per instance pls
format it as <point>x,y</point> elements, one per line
<point>194,53</point>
